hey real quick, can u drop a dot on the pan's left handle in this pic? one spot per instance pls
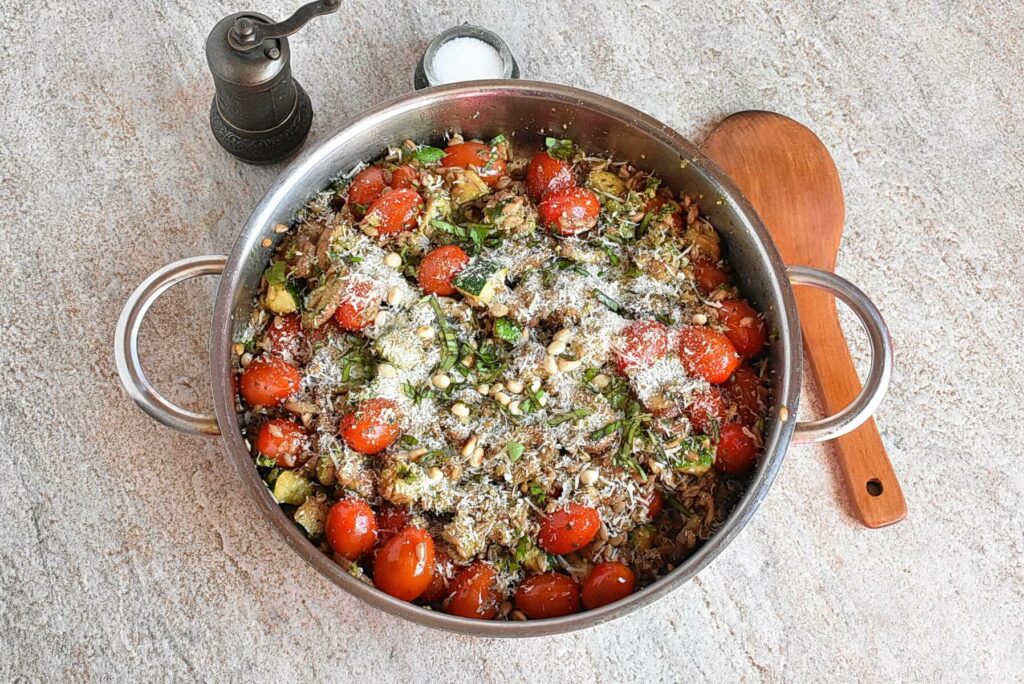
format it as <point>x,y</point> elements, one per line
<point>126,345</point>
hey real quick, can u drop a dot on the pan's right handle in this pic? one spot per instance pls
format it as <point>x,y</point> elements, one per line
<point>126,345</point>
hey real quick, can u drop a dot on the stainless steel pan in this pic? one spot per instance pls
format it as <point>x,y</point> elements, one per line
<point>526,111</point>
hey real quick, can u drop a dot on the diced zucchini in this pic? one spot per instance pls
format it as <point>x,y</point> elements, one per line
<point>290,488</point>
<point>282,298</point>
<point>468,187</point>
<point>480,280</point>
<point>311,515</point>
<point>438,207</point>
<point>607,182</point>
<point>507,329</point>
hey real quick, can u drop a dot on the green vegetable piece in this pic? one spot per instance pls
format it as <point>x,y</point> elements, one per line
<point>607,301</point>
<point>277,273</point>
<point>560,149</point>
<point>607,182</point>
<point>310,516</point>
<point>515,451</point>
<point>290,488</point>
<point>479,281</point>
<point>282,298</point>
<point>427,155</point>
<point>507,329</point>
<point>696,455</point>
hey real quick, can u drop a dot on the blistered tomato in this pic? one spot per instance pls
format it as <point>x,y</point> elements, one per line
<point>743,327</point>
<point>481,158</point>
<point>548,595</point>
<point>394,212</point>
<point>607,583</point>
<point>372,427</point>
<point>570,211</point>
<point>283,441</point>
<point>640,345</point>
<point>439,268</point>
<point>568,529</point>
<point>707,354</point>
<point>405,565</point>
<point>475,593</point>
<point>546,174</point>
<point>736,450</point>
<point>351,528</point>
<point>268,381</point>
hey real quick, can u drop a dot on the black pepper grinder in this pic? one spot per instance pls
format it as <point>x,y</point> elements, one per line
<point>260,114</point>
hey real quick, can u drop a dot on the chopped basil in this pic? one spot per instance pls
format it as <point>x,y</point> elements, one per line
<point>427,155</point>
<point>560,149</point>
<point>515,451</point>
<point>607,301</point>
<point>508,330</point>
<point>277,274</point>
<point>571,415</point>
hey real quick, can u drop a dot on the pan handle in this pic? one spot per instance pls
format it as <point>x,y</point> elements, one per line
<point>126,345</point>
<point>880,371</point>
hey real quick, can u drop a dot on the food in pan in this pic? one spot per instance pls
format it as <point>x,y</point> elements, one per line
<point>504,386</point>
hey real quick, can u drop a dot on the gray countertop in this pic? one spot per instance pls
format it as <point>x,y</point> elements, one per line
<point>128,551</point>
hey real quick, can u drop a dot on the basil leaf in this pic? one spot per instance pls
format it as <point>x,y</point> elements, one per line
<point>560,149</point>
<point>427,155</point>
<point>277,273</point>
<point>515,451</point>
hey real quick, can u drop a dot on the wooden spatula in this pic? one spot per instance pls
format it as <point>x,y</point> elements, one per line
<point>789,177</point>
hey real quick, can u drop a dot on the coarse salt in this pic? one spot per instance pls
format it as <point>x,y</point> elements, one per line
<point>466,59</point>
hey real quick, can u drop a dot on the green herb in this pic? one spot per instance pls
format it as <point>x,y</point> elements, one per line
<point>591,373</point>
<point>353,259</point>
<point>515,451</point>
<point>473,236</point>
<point>264,461</point>
<point>576,414</point>
<point>607,301</point>
<point>537,492</point>
<point>533,401</point>
<point>608,429</point>
<point>675,503</point>
<point>415,394</point>
<point>498,139</point>
<point>507,329</point>
<point>491,362</point>
<point>560,149</point>
<point>408,441</point>
<point>695,456</point>
<point>449,343</point>
<point>664,319</point>
<point>563,264</point>
<point>427,155</point>
<point>277,274</point>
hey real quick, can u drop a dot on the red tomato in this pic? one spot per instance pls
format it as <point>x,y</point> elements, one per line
<point>746,389</point>
<point>285,334</point>
<point>403,177</point>
<point>655,506</point>
<point>736,450</point>
<point>283,441</point>
<point>743,327</point>
<point>268,381</point>
<point>394,212</point>
<point>708,354</point>
<point>405,565</point>
<point>366,186</point>
<point>390,521</point>
<point>475,592</point>
<point>568,529</point>
<point>351,528</point>
<point>372,427</point>
<point>441,580</point>
<point>548,595</point>
<point>641,344</point>
<point>546,174</point>
<point>439,267</point>
<point>708,275</point>
<point>478,157</point>
<point>318,336</point>
<point>607,583</point>
<point>570,211</point>
<point>359,306</point>
<point>675,214</point>
<point>708,411</point>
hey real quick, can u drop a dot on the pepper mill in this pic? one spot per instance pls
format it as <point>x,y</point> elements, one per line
<point>260,114</point>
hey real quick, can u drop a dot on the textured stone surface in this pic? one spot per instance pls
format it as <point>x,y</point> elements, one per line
<point>126,549</point>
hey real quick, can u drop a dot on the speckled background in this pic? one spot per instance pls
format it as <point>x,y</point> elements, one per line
<point>128,552</point>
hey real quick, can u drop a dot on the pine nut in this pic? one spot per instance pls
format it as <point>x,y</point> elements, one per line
<point>551,365</point>
<point>498,310</point>
<point>563,335</point>
<point>280,228</point>
<point>535,385</point>
<point>496,388</point>
<point>267,242</point>
<point>601,381</point>
<point>425,332</point>
<point>245,360</point>
<point>700,319</point>
<point>502,398</point>
<point>515,409</point>
<point>518,616</point>
<point>783,414</point>
<point>239,349</point>
<point>477,459</point>
<point>514,386</point>
<point>380,319</point>
<point>484,389</point>
<point>392,260</point>
<point>395,296</point>
<point>469,447</point>
<point>434,473</point>
<point>568,365</point>
<point>542,400</point>
<point>459,409</point>
<point>556,347</point>
<point>386,370</point>
<point>588,476</point>
<point>415,454</point>
<point>441,381</point>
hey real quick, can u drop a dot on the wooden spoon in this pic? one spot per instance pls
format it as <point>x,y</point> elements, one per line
<point>789,177</point>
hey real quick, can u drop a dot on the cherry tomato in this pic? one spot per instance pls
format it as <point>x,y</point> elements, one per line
<point>746,389</point>
<point>675,215</point>
<point>351,528</point>
<point>475,593</point>
<point>405,565</point>
<point>403,177</point>
<point>708,410</point>
<point>568,529</point>
<point>316,337</point>
<point>478,157</point>
<point>439,267</point>
<point>372,427</point>
<point>284,335</point>
<point>548,595</point>
<point>546,174</point>
<point>366,186</point>
<point>390,521</point>
<point>359,306</point>
<point>283,441</point>
<point>268,381</point>
<point>708,354</point>
<point>570,211</point>
<point>441,580</point>
<point>736,450</point>
<point>743,327</point>
<point>655,506</point>
<point>394,211</point>
<point>708,275</point>
<point>640,345</point>
<point>607,583</point>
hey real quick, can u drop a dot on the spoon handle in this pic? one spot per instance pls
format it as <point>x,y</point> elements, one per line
<point>875,493</point>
